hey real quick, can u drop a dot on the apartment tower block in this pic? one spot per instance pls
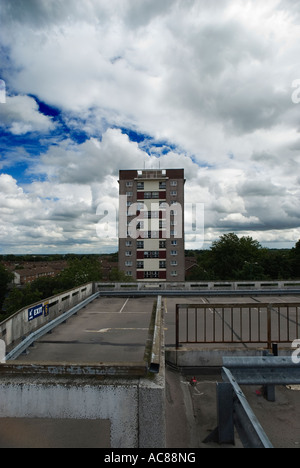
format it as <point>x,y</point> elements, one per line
<point>151,225</point>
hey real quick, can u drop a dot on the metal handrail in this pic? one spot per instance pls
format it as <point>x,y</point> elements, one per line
<point>244,323</point>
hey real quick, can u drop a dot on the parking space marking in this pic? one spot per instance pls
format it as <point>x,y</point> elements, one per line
<point>126,302</point>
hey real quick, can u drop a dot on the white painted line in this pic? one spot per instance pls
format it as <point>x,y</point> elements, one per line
<point>124,306</point>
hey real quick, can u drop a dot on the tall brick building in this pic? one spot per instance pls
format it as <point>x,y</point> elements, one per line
<point>151,224</point>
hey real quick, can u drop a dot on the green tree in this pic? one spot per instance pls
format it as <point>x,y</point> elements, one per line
<point>79,272</point>
<point>19,298</point>
<point>5,278</point>
<point>277,264</point>
<point>231,257</point>
<point>295,260</point>
<point>119,276</point>
<point>46,285</point>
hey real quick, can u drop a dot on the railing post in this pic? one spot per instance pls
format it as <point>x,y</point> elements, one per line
<point>177,326</point>
<point>270,307</point>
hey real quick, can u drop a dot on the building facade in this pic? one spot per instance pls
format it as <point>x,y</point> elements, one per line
<point>151,225</point>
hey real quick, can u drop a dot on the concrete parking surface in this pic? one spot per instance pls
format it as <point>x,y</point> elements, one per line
<point>108,330</point>
<point>192,412</point>
<point>116,329</point>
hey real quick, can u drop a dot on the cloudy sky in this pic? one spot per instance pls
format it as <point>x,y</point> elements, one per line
<point>95,86</point>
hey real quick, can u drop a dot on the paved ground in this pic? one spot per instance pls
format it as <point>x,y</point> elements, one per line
<point>108,330</point>
<point>115,329</point>
<point>192,414</point>
<point>54,433</point>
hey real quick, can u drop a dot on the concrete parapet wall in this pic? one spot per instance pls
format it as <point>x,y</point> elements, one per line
<point>211,357</point>
<point>18,326</point>
<point>200,286</point>
<point>135,407</point>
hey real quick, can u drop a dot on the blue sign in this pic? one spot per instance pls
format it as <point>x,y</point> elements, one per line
<point>35,312</point>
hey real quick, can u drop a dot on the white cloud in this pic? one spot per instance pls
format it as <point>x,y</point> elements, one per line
<point>20,115</point>
<point>211,79</point>
<point>91,161</point>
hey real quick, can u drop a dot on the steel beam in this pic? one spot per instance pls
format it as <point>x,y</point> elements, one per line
<point>263,370</point>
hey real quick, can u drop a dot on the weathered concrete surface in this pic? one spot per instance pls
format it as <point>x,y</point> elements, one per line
<point>54,433</point>
<point>134,407</point>
<point>194,356</point>
<point>84,399</point>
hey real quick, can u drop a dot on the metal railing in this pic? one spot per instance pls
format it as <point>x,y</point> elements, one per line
<point>254,323</point>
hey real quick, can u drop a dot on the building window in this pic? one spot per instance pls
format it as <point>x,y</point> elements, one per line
<point>129,194</point>
<point>154,254</point>
<point>140,185</point>
<point>152,214</point>
<point>129,273</point>
<point>162,244</point>
<point>128,244</point>
<point>152,234</point>
<point>151,275</point>
<point>173,183</point>
<point>174,273</point>
<point>155,195</point>
<point>129,184</point>
<point>162,185</point>
<point>174,263</point>
<point>140,244</point>
<point>128,253</point>
<point>140,265</point>
<point>162,264</point>
<point>174,193</point>
<point>129,264</point>
<point>174,253</point>
<point>148,195</point>
<point>174,243</point>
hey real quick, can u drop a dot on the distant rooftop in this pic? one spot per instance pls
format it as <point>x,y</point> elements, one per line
<point>152,174</point>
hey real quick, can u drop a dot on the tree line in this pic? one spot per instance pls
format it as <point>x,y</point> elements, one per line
<point>80,270</point>
<point>244,259</point>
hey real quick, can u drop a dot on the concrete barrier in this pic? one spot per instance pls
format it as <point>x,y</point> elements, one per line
<point>32,318</point>
<point>200,287</point>
<point>210,356</point>
<point>135,407</point>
